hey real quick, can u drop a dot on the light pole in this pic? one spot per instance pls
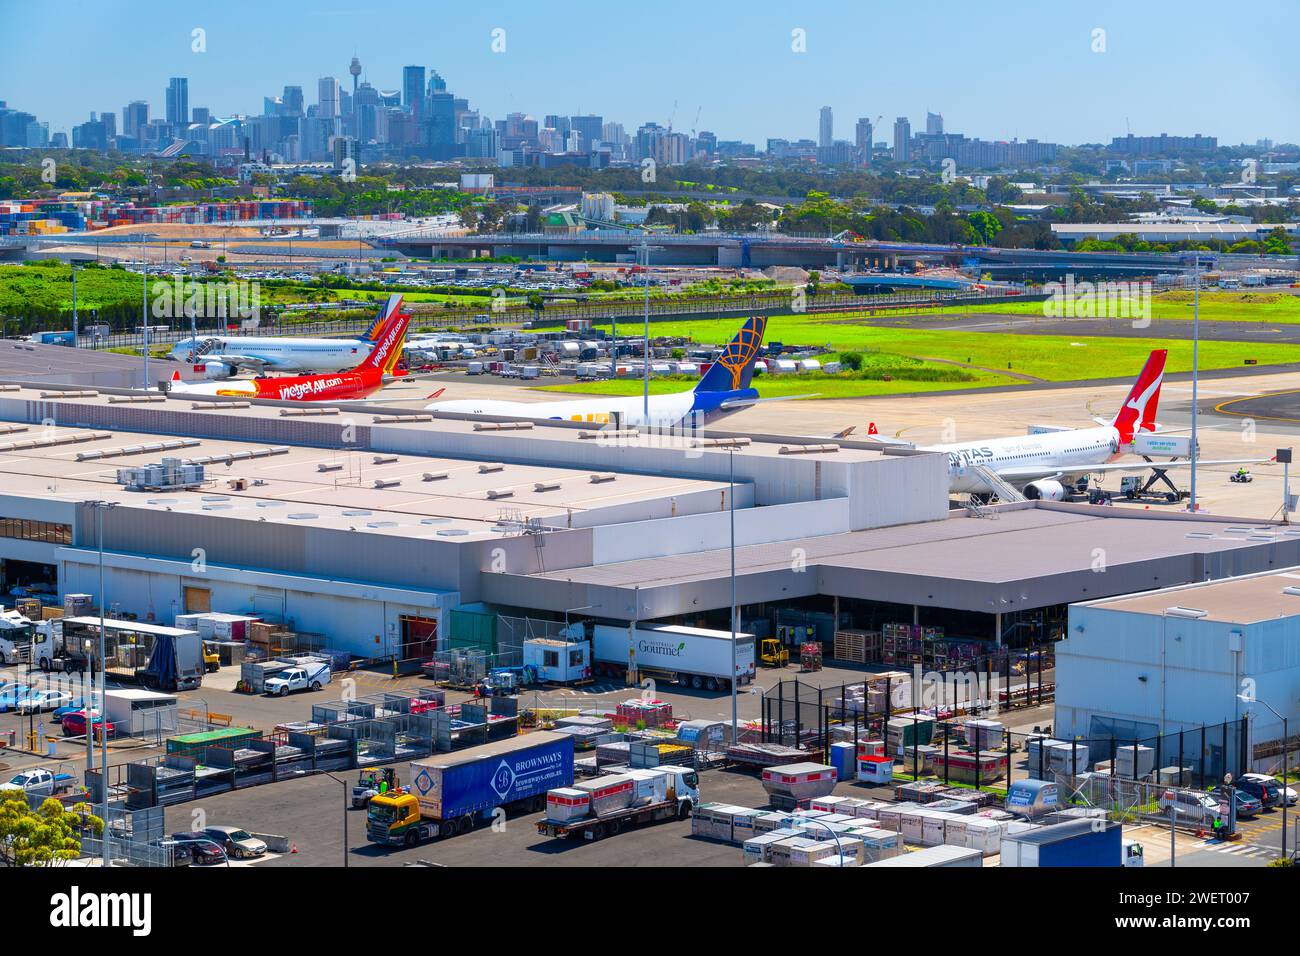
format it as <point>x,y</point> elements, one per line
<point>1246,698</point>
<point>344,785</point>
<point>645,277</point>
<point>74,303</point>
<point>731,508</point>
<point>100,507</point>
<point>1196,339</point>
<point>144,309</point>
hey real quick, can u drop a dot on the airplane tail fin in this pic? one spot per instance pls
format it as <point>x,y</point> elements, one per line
<point>388,349</point>
<point>734,368</point>
<point>1138,413</point>
<point>390,309</point>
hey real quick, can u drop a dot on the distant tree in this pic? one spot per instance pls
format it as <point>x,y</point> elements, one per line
<point>1277,243</point>
<point>851,361</point>
<point>984,226</point>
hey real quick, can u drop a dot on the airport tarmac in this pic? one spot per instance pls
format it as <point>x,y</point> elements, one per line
<point>987,413</point>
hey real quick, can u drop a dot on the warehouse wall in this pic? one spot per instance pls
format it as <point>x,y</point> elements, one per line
<point>1098,670</point>
<point>691,533</point>
<point>360,621</point>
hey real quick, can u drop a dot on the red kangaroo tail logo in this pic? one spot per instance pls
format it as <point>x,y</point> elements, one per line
<point>1138,412</point>
<point>389,347</point>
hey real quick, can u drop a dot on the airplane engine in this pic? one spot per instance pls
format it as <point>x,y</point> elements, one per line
<point>213,370</point>
<point>1045,490</point>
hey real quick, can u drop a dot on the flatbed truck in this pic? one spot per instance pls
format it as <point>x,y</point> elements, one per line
<point>680,797</point>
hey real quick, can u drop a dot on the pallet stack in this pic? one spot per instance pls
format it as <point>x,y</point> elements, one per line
<point>858,647</point>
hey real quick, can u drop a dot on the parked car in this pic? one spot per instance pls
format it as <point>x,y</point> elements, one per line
<point>194,847</point>
<point>74,725</point>
<point>1189,806</point>
<point>236,842</point>
<point>1267,791</point>
<point>1247,806</point>
<point>39,701</point>
<point>1265,778</point>
<point>11,695</point>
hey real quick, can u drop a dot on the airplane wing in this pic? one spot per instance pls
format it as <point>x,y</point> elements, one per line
<point>251,362</point>
<point>732,404</point>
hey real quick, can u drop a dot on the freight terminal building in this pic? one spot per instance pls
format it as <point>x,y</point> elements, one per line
<point>367,527</point>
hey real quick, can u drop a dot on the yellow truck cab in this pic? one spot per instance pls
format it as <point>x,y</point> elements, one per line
<point>394,819</point>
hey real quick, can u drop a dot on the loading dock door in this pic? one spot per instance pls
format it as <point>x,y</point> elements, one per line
<point>198,600</point>
<point>419,637</point>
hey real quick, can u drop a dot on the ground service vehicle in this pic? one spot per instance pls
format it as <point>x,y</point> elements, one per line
<point>773,653</point>
<point>371,783</point>
<point>454,792</point>
<point>310,676</point>
<point>690,656</point>
<point>40,780</point>
<point>211,657</point>
<point>597,808</point>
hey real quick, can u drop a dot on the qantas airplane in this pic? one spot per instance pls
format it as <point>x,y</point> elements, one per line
<point>723,390</point>
<point>355,385</point>
<point>1046,465</point>
<point>220,356</point>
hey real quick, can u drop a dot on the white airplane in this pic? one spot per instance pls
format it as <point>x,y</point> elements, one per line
<point>723,390</point>
<point>221,356</point>
<point>1048,464</point>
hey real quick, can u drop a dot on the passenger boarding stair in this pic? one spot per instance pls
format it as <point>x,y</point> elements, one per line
<point>996,484</point>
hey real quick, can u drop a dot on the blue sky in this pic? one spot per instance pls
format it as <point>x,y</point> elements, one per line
<point>995,68</point>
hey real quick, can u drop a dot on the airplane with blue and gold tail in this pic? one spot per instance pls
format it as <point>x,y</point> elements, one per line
<point>723,390</point>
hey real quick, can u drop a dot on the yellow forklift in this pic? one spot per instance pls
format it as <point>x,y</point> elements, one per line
<point>773,653</point>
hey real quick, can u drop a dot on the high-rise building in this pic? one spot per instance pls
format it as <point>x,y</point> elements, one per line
<point>327,98</point>
<point>826,128</point>
<point>109,119</point>
<point>135,117</point>
<point>862,140</point>
<point>933,124</point>
<point>201,115</point>
<point>589,128</point>
<point>558,123</point>
<point>413,89</point>
<point>178,101</point>
<point>291,103</point>
<point>367,107</point>
<point>902,139</point>
<point>440,125</point>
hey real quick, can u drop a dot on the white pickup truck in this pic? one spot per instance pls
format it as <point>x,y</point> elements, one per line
<point>40,780</point>
<point>302,677</point>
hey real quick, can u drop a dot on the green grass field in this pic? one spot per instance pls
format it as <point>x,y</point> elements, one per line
<point>1279,307</point>
<point>988,358</point>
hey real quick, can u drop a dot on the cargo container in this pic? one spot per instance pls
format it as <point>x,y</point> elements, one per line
<point>454,792</point>
<point>690,656</point>
<point>935,856</point>
<point>1079,843</point>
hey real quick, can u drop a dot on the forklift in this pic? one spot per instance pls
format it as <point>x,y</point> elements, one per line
<point>772,653</point>
<point>372,782</point>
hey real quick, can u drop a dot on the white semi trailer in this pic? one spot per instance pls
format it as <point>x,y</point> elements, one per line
<point>690,656</point>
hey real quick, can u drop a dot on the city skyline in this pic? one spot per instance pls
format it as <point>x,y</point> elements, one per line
<point>783,101</point>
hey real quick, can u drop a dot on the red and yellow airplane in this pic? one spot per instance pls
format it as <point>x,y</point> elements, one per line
<point>359,383</point>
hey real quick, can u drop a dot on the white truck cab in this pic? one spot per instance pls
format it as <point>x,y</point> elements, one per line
<point>311,676</point>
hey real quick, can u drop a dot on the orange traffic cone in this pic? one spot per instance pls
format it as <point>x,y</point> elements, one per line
<point>293,848</point>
